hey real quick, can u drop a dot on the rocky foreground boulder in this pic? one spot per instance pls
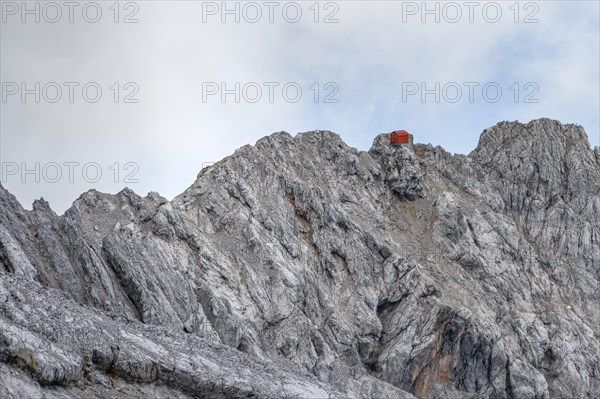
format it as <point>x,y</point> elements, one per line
<point>303,268</point>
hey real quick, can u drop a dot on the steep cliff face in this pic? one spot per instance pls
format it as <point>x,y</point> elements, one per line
<point>303,268</point>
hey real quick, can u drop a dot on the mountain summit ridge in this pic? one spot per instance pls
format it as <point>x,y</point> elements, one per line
<point>301,267</point>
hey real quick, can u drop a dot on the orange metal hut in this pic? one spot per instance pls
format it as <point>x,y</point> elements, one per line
<point>398,137</point>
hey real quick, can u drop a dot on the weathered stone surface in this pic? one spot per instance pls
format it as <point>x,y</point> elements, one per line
<point>303,268</point>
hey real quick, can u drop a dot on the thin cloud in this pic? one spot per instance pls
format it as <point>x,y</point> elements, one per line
<point>369,54</point>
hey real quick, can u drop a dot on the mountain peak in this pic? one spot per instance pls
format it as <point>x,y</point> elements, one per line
<point>303,263</point>
<point>547,133</point>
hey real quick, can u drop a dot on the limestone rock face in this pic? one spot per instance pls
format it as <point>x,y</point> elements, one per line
<point>303,268</point>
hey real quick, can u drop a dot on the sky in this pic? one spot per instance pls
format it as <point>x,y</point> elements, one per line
<point>106,95</point>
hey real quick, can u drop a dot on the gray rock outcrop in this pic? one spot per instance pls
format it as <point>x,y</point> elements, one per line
<point>303,268</point>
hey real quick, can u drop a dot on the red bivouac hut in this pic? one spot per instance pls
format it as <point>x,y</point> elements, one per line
<point>398,137</point>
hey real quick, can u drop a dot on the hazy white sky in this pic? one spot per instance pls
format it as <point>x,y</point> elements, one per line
<point>363,67</point>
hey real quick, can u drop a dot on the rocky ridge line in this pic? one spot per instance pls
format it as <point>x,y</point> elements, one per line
<point>303,268</point>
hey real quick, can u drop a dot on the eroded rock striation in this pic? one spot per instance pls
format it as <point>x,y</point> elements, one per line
<point>303,268</point>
